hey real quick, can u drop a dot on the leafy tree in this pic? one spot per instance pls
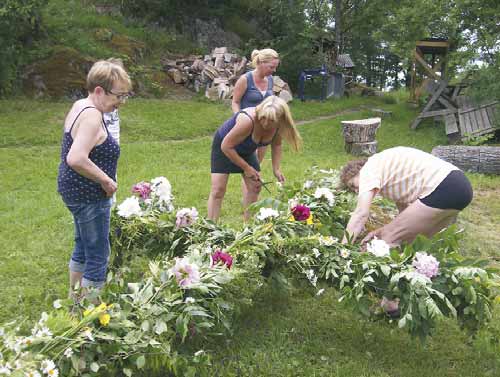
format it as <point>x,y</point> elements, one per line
<point>20,23</point>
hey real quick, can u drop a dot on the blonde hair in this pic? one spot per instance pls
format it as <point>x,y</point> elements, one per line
<point>275,110</point>
<point>105,73</point>
<point>263,56</point>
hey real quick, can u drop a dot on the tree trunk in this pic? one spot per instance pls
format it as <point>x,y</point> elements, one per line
<point>361,149</point>
<point>360,131</point>
<point>481,159</point>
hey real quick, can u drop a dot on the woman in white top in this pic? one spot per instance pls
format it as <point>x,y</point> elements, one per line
<point>428,192</point>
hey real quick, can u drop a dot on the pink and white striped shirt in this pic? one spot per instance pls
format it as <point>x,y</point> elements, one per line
<point>403,174</point>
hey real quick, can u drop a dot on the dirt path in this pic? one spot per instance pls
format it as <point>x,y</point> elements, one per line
<point>325,117</point>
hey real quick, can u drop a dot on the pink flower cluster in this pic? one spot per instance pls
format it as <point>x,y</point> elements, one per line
<point>142,189</point>
<point>301,212</point>
<point>185,273</point>
<point>221,257</point>
<point>426,264</point>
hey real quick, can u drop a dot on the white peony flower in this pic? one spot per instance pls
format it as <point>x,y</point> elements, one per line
<point>265,213</point>
<point>189,300</point>
<point>379,248</point>
<point>57,304</point>
<point>130,207</point>
<point>323,192</point>
<point>162,188</point>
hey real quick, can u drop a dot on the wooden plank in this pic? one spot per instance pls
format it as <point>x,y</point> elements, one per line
<point>427,68</point>
<point>434,113</point>
<point>433,44</point>
<point>433,99</point>
<point>492,115</point>
<point>486,120</point>
<point>461,123</point>
<point>446,103</point>
<point>456,92</point>
<point>450,124</point>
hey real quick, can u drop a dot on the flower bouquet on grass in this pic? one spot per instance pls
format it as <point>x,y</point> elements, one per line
<point>418,285</point>
<point>147,224</point>
<point>178,299</point>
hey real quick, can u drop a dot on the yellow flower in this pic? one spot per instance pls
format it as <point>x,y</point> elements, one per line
<point>291,218</point>
<point>309,220</point>
<point>104,319</point>
<point>101,307</point>
<point>87,312</point>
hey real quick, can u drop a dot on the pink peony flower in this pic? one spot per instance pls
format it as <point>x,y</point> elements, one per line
<point>426,265</point>
<point>185,273</point>
<point>301,212</point>
<point>142,189</point>
<point>220,256</point>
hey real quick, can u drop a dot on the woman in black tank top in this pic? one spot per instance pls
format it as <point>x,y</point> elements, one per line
<point>87,171</point>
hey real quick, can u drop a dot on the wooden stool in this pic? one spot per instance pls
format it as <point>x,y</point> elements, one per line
<point>359,136</point>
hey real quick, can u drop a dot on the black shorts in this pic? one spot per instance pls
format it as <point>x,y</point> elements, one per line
<point>454,192</point>
<point>220,163</point>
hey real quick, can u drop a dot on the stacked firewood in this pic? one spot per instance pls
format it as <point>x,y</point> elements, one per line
<point>216,74</point>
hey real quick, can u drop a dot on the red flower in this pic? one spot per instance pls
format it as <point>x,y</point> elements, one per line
<point>220,256</point>
<point>301,212</point>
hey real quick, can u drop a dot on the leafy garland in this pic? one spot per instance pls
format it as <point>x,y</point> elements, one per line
<point>175,277</point>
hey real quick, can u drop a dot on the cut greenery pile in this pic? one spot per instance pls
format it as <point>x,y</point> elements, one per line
<point>176,278</point>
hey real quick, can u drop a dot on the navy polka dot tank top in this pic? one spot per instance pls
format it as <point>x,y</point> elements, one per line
<point>75,188</point>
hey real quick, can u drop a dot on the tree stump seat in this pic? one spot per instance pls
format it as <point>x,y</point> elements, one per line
<point>359,136</point>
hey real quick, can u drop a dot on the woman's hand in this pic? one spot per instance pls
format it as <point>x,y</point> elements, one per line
<point>279,175</point>
<point>251,173</point>
<point>109,186</point>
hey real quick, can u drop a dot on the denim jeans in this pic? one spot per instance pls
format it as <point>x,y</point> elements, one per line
<point>91,252</point>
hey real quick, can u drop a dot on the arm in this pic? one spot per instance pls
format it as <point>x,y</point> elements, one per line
<point>276,158</point>
<point>238,92</point>
<point>87,136</point>
<point>360,215</point>
<point>240,131</point>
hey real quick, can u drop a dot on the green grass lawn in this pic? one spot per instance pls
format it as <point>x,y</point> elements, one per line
<point>294,334</point>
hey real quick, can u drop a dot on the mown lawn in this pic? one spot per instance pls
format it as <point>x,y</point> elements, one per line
<point>294,334</point>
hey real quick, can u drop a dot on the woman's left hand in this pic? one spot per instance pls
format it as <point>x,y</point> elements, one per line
<point>279,176</point>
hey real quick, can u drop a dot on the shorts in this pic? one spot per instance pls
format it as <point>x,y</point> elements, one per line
<point>454,192</point>
<point>220,163</point>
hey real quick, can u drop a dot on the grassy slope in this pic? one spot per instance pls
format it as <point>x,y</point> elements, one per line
<point>296,335</point>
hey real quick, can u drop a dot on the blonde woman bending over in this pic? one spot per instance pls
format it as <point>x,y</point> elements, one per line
<point>254,86</point>
<point>234,149</point>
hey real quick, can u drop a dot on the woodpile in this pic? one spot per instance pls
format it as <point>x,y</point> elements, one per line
<point>480,159</point>
<point>359,136</point>
<point>216,74</point>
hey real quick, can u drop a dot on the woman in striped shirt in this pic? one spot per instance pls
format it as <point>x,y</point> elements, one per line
<point>428,192</point>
